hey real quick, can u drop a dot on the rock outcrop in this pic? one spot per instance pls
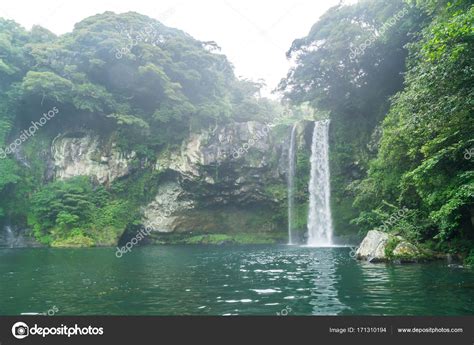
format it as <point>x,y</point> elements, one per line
<point>162,214</point>
<point>83,154</point>
<point>405,249</point>
<point>228,179</point>
<point>223,180</point>
<point>378,246</point>
<point>373,246</point>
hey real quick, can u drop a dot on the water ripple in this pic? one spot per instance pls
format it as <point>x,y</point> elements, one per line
<point>212,280</point>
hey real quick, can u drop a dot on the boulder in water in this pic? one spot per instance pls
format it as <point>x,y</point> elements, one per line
<point>373,246</point>
<point>378,246</point>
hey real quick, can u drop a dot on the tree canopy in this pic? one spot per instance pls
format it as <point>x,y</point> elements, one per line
<point>401,102</point>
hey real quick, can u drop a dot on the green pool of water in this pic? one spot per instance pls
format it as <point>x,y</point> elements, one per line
<point>226,280</point>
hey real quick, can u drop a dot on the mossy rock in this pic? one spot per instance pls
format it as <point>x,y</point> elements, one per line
<point>379,246</point>
<point>221,239</point>
<point>399,250</point>
<point>78,241</point>
<point>390,246</point>
<point>209,239</point>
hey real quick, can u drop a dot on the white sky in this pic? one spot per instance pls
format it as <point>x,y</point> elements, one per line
<point>254,34</point>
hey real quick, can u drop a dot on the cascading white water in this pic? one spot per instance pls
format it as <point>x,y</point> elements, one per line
<point>291,182</point>
<point>11,238</point>
<point>319,216</point>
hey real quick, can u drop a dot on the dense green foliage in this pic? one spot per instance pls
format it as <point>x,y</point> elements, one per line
<point>396,78</point>
<point>402,151</point>
<point>74,212</point>
<point>421,161</point>
<point>127,71</point>
<point>352,89</point>
<point>126,77</point>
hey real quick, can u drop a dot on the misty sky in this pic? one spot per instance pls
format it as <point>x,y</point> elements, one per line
<point>254,34</point>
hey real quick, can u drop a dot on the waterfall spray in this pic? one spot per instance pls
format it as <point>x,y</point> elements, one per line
<point>11,238</point>
<point>291,182</point>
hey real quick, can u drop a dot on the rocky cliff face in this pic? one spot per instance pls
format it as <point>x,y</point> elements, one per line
<point>83,154</point>
<point>225,180</point>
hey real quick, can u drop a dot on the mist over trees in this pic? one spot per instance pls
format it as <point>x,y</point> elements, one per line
<point>395,77</point>
<point>397,80</point>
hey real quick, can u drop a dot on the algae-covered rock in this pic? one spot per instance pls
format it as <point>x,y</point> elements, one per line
<point>405,249</point>
<point>378,246</point>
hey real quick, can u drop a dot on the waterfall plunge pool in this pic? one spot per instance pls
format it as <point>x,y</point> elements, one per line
<point>226,280</point>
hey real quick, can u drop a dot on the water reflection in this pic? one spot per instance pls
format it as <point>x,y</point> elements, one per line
<point>324,295</point>
<point>226,280</point>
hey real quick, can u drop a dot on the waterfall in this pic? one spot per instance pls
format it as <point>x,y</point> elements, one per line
<point>20,157</point>
<point>11,239</point>
<point>291,181</point>
<point>319,215</point>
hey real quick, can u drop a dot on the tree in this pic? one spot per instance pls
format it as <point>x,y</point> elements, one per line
<point>421,162</point>
<point>347,67</point>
